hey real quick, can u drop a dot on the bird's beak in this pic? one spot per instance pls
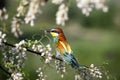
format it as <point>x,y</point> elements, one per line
<point>47,31</point>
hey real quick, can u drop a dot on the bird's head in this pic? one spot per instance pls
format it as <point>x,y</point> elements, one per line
<point>56,32</point>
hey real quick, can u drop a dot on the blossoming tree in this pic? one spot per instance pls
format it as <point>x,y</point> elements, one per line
<point>14,55</point>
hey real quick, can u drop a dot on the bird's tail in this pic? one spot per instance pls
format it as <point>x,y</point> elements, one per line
<point>74,63</point>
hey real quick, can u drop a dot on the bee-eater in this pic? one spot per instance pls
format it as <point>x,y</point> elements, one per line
<point>63,49</point>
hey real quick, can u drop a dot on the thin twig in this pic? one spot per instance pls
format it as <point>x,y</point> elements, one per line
<point>4,70</point>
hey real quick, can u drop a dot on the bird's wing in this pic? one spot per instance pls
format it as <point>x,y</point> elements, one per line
<point>66,47</point>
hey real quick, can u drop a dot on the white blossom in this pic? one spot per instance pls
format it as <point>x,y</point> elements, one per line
<point>84,5</point>
<point>88,73</point>
<point>3,14</point>
<point>92,66</point>
<point>60,67</point>
<point>41,75</point>
<point>15,27</point>
<point>46,60</point>
<point>45,51</point>
<point>34,9</point>
<point>16,76</point>
<point>2,38</point>
<point>95,72</point>
<point>22,7</point>
<point>37,48</point>
<point>16,56</point>
<point>87,5</point>
<point>48,54</point>
<point>105,9</point>
<point>62,14</point>
<point>57,1</point>
<point>77,77</point>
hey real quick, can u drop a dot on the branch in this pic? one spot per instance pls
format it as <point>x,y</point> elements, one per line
<point>34,52</point>
<point>82,69</point>
<point>4,70</point>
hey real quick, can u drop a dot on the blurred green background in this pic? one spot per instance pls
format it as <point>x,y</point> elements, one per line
<point>94,39</point>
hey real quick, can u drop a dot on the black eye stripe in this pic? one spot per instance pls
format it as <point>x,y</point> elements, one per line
<point>54,31</point>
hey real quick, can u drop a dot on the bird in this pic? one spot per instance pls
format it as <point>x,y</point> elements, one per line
<point>62,47</point>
